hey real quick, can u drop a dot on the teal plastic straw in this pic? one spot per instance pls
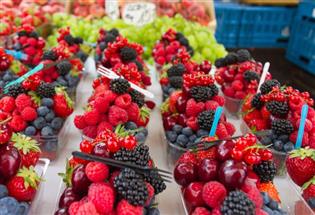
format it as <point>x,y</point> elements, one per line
<point>16,54</point>
<point>26,75</point>
<point>215,123</point>
<point>299,139</point>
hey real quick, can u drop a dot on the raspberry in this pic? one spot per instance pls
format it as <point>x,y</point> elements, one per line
<point>109,95</point>
<point>87,208</point>
<point>192,122</point>
<point>117,115</point>
<point>17,123</point>
<point>260,212</point>
<point>308,125</point>
<point>213,193</point>
<point>312,142</point>
<point>91,117</point>
<point>133,112</point>
<point>254,195</point>
<point>79,122</point>
<point>7,104</point>
<point>211,105</point>
<point>201,211</point>
<point>123,101</point>
<point>29,114</point>
<point>230,128</point>
<point>124,208</point>
<point>23,101</point>
<point>90,131</point>
<point>193,108</point>
<point>102,195</point>
<point>216,211</point>
<point>74,207</point>
<point>150,194</point>
<point>104,126</point>
<point>237,85</point>
<point>219,99</point>
<point>101,104</point>
<point>222,131</point>
<point>96,171</point>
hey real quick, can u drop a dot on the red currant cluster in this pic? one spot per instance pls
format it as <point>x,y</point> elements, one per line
<point>105,37</point>
<point>170,44</point>
<point>5,60</point>
<point>246,149</point>
<point>197,79</point>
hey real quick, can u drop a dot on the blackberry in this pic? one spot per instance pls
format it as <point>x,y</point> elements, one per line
<point>282,126</point>
<point>179,35</point>
<point>183,41</point>
<point>69,39</point>
<point>137,97</point>
<point>176,70</point>
<point>78,40</point>
<point>64,67</point>
<point>119,85</point>
<point>109,38</point>
<point>114,32</point>
<point>176,81</point>
<point>131,186</point>
<point>153,178</point>
<point>190,50</point>
<point>34,35</point>
<point>200,93</point>
<point>139,156</point>
<point>220,63</point>
<point>50,55</point>
<point>139,65</point>
<point>15,90</point>
<point>231,58</point>
<point>266,170</point>
<point>46,90</point>
<point>22,33</point>
<point>205,119</point>
<point>267,86</point>
<point>251,76</point>
<point>103,45</point>
<point>237,203</point>
<point>277,108</point>
<point>256,101</point>
<point>128,54</point>
<point>214,90</point>
<point>243,55</point>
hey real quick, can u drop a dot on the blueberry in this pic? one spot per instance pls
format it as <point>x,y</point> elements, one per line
<point>48,102</point>
<point>3,191</point>
<point>144,131</point>
<point>50,116</point>
<point>140,137</point>
<point>177,128</point>
<point>278,145</point>
<point>9,203</point>
<point>201,133</point>
<point>266,140</point>
<point>57,123</point>
<point>170,90</point>
<point>187,131</point>
<point>153,211</point>
<point>311,202</point>
<point>266,197</point>
<point>289,146</point>
<point>274,137</point>
<point>39,123</point>
<point>62,81</point>
<point>7,77</point>
<point>130,125</point>
<point>182,140</point>
<point>3,210</point>
<point>51,146</point>
<point>30,131</point>
<point>284,138</point>
<point>267,210</point>
<point>164,88</point>
<point>192,138</point>
<point>171,136</point>
<point>23,208</point>
<point>42,111</point>
<point>47,131</point>
<point>273,204</point>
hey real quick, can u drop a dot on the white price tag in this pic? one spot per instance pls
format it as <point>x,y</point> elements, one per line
<point>139,13</point>
<point>112,9</point>
<point>313,14</point>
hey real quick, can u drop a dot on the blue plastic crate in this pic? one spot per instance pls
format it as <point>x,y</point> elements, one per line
<point>265,26</point>
<point>306,9</point>
<point>228,16</point>
<point>301,49</point>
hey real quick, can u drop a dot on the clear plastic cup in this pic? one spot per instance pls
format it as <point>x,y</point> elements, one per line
<point>279,159</point>
<point>232,105</point>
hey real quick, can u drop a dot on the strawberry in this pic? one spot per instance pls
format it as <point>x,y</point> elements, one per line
<point>23,186</point>
<point>193,108</point>
<point>63,105</point>
<point>144,117</point>
<point>309,189</point>
<point>301,165</point>
<point>28,149</point>
<point>210,153</point>
<point>187,157</point>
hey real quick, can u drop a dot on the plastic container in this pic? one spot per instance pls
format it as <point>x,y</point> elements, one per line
<point>40,168</point>
<point>232,105</point>
<point>50,145</point>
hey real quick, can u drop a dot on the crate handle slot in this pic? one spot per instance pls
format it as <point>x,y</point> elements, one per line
<point>283,40</point>
<point>305,59</point>
<point>311,19</point>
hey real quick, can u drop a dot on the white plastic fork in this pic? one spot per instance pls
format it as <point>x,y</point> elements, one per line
<point>112,75</point>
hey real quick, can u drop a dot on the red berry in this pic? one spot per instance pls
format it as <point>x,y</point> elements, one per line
<point>102,195</point>
<point>213,193</point>
<point>96,171</point>
<point>29,114</point>
<point>86,146</point>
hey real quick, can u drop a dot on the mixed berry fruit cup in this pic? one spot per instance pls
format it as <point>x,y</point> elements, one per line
<point>232,105</point>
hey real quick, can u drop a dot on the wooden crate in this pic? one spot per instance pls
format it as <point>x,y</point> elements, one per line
<point>271,2</point>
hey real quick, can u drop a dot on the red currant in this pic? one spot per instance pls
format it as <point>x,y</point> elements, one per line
<point>129,142</point>
<point>265,154</point>
<point>237,154</point>
<point>112,145</point>
<point>86,146</point>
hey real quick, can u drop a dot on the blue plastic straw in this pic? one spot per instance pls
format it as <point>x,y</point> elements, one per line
<point>299,139</point>
<point>215,123</point>
<point>16,54</point>
<point>26,75</point>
